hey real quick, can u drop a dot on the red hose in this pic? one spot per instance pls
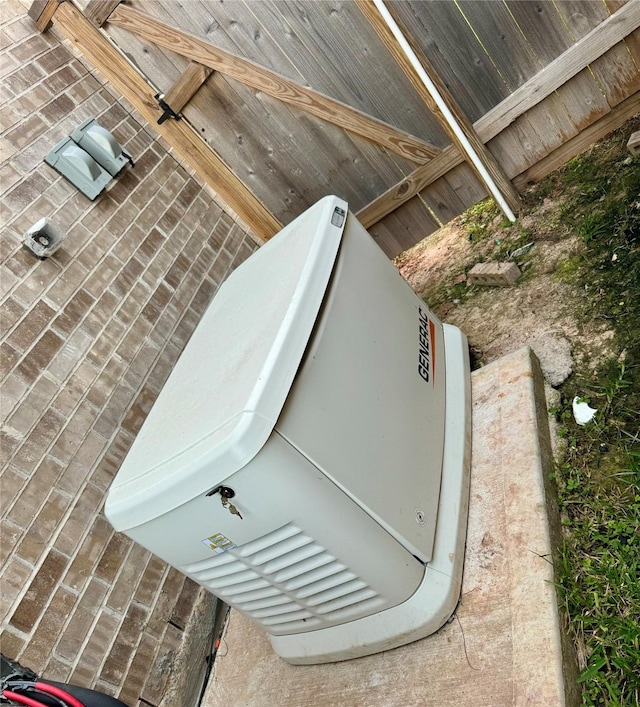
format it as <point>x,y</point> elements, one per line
<point>22,699</point>
<point>58,692</point>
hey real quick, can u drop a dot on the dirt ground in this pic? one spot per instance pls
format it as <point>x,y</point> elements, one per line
<point>540,310</point>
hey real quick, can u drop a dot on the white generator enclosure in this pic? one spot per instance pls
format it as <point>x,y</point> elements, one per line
<point>307,460</point>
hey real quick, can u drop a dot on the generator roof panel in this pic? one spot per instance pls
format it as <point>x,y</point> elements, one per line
<point>222,399</point>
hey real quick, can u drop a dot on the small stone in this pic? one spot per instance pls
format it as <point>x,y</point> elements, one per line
<point>554,353</point>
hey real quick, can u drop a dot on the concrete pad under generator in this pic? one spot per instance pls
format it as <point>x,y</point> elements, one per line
<point>504,645</point>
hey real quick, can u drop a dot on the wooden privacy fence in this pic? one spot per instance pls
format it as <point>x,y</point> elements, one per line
<point>283,102</point>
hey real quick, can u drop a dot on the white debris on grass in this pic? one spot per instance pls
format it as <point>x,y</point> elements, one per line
<point>582,412</point>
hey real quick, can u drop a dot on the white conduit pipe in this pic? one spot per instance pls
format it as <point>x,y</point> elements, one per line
<point>429,85</point>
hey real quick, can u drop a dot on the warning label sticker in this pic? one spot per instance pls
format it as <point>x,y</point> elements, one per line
<point>219,543</point>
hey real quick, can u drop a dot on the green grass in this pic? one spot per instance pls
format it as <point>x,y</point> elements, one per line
<point>599,477</point>
<point>597,197</point>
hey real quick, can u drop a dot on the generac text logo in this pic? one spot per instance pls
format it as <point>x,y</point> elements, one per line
<point>426,350</point>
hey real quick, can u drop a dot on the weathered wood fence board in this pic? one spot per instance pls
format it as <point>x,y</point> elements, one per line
<point>536,78</point>
<point>269,82</point>
<point>400,230</point>
<point>226,115</point>
<point>329,57</point>
<point>502,39</point>
<point>617,62</point>
<point>358,170</point>
<point>443,105</point>
<point>275,165</point>
<point>457,55</point>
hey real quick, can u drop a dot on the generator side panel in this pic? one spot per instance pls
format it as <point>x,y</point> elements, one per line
<point>368,404</point>
<point>294,554</point>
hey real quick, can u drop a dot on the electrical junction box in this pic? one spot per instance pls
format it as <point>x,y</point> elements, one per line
<point>76,165</point>
<point>307,460</point>
<point>101,145</point>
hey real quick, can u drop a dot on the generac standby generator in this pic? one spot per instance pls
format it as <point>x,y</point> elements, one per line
<point>307,460</point>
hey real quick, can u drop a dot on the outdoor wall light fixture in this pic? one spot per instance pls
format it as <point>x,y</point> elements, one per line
<point>89,159</point>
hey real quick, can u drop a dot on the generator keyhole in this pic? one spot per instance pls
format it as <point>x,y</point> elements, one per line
<point>224,491</point>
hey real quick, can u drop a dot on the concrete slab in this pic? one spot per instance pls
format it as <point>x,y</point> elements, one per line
<point>504,645</point>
